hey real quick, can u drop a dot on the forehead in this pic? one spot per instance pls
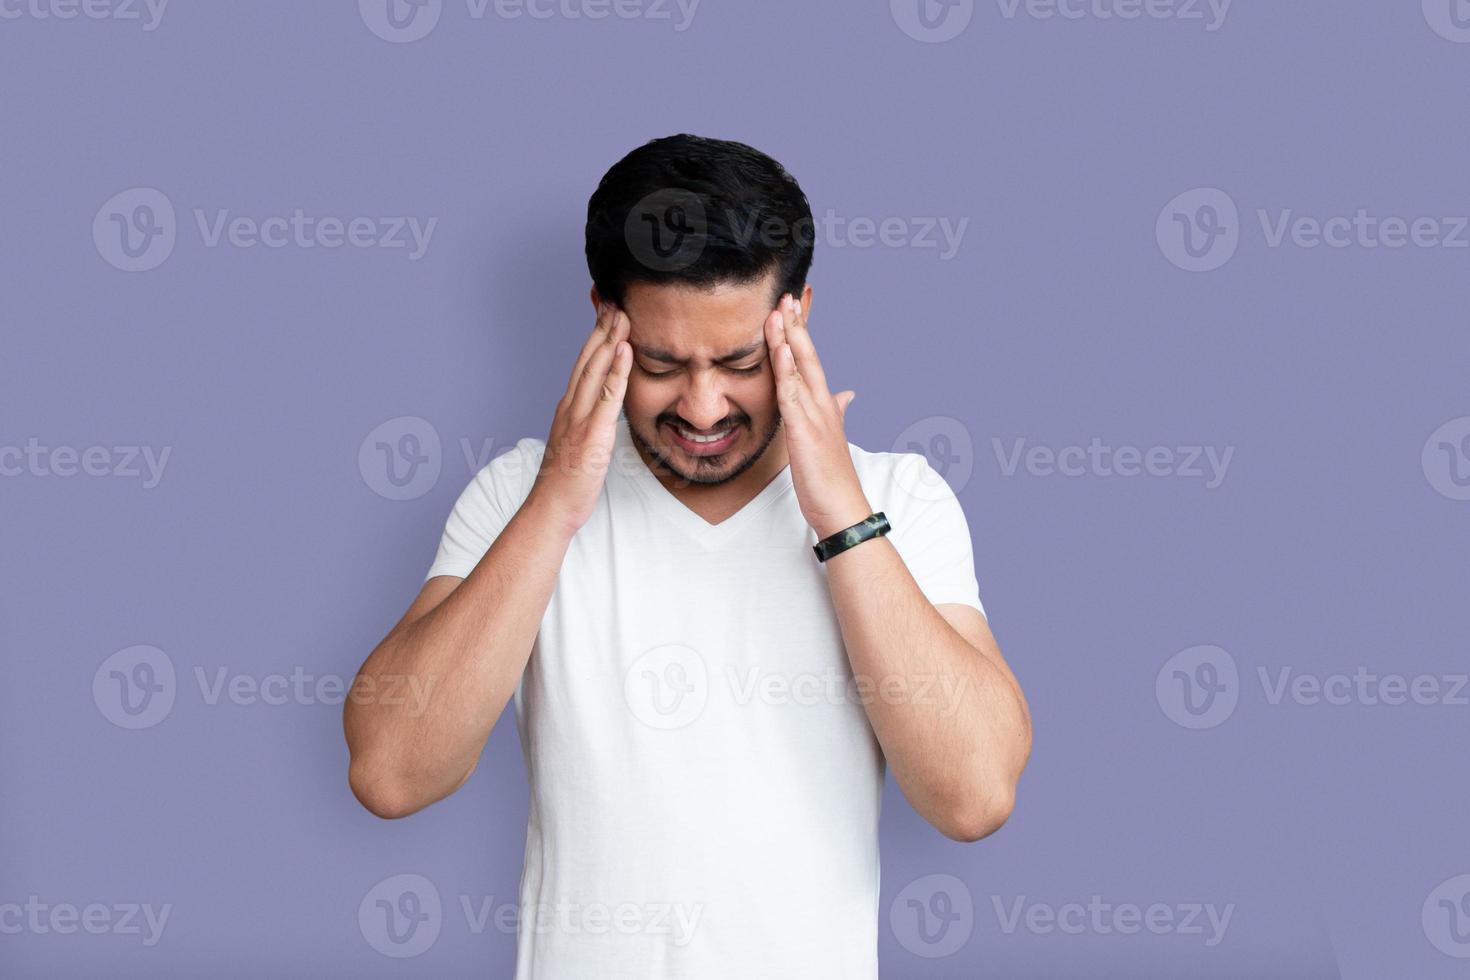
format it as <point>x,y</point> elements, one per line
<point>691,320</point>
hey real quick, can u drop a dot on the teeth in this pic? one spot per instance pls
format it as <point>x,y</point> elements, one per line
<point>696,438</point>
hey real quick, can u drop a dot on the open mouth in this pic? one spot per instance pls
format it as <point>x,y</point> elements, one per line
<point>701,443</point>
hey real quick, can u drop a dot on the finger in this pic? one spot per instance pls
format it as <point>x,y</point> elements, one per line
<point>610,399</point>
<point>844,399</point>
<point>605,313</point>
<point>800,340</point>
<point>594,375</point>
<point>790,389</point>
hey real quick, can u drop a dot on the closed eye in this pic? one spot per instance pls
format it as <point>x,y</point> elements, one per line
<point>754,369</point>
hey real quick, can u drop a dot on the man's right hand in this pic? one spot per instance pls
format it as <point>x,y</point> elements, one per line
<point>579,447</point>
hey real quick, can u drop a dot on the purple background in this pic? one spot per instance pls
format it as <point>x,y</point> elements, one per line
<point>267,548</point>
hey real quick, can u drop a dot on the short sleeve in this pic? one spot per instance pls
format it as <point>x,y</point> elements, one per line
<point>930,533</point>
<point>484,507</point>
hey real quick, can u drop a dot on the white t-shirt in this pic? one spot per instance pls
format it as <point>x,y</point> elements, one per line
<point>704,783</point>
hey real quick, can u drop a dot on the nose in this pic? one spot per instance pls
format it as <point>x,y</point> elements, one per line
<point>702,403</point>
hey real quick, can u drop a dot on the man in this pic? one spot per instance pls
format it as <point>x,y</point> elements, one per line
<point>705,702</point>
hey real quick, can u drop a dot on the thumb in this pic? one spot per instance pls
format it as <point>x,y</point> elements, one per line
<point>843,402</point>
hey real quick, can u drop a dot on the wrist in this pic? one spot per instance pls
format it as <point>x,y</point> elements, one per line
<point>841,519</point>
<point>546,512</point>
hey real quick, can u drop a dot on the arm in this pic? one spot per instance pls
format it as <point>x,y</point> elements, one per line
<point>464,643</point>
<point>461,646</point>
<point>944,706</point>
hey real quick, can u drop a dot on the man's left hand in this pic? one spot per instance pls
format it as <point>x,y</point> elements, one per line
<point>827,487</point>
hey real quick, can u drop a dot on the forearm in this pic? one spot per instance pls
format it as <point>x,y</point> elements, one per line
<point>950,718</point>
<point>457,666</point>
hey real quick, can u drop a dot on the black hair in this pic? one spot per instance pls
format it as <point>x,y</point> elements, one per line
<point>699,211</point>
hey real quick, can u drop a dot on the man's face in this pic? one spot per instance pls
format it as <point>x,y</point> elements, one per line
<point>700,369</point>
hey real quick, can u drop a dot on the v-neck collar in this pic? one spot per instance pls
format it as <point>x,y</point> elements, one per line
<point>630,463</point>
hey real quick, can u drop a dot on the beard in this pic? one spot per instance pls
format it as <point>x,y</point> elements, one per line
<point>712,470</point>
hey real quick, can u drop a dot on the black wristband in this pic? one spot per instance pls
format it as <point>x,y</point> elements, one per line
<point>872,526</point>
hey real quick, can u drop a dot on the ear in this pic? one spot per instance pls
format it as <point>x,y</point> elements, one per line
<point>806,301</point>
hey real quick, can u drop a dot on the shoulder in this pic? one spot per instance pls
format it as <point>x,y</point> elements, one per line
<point>898,479</point>
<point>513,462</point>
<point>915,497</point>
<point>507,479</point>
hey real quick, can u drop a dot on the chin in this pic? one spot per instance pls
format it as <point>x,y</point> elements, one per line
<point>695,468</point>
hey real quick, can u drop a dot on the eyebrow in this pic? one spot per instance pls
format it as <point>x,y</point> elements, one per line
<point>668,357</point>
